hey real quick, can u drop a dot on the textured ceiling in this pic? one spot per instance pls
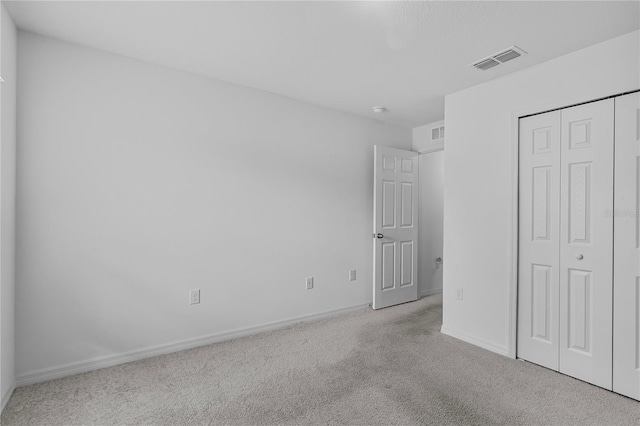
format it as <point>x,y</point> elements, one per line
<point>349,56</point>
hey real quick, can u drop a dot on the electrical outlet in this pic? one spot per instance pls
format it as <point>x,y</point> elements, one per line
<point>194,296</point>
<point>459,294</point>
<point>309,283</point>
<point>352,275</point>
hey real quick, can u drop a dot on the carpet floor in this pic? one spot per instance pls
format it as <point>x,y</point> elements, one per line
<point>361,368</point>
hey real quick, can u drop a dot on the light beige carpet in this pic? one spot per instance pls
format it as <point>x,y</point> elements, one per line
<point>366,367</point>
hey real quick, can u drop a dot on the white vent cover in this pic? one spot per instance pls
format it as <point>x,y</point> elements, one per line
<point>486,64</point>
<point>507,55</point>
<point>498,58</point>
<point>437,133</point>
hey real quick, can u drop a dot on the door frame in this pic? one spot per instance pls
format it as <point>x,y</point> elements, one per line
<point>516,115</point>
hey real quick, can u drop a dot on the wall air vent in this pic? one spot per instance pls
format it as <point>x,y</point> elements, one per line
<point>437,133</point>
<point>498,58</point>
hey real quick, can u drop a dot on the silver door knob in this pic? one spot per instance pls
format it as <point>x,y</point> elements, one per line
<point>438,260</point>
<point>378,235</point>
<point>579,257</point>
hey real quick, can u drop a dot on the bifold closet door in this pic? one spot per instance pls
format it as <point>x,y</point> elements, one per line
<point>565,259</point>
<point>539,239</point>
<point>586,242</point>
<point>626,342</point>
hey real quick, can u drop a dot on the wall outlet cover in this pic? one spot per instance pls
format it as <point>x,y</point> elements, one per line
<point>194,296</point>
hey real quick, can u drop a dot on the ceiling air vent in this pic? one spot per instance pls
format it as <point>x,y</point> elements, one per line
<point>486,64</point>
<point>507,55</point>
<point>498,58</point>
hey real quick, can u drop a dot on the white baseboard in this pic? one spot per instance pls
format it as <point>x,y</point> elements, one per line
<point>502,350</point>
<point>6,397</point>
<point>70,369</point>
<point>430,292</point>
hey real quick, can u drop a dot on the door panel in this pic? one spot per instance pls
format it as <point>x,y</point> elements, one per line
<point>579,202</point>
<point>407,205</point>
<point>626,349</point>
<point>586,242</point>
<point>406,278</point>
<point>579,313</point>
<point>388,204</point>
<point>540,302</point>
<point>541,203</point>
<point>388,266</point>
<point>539,239</point>
<point>396,221</point>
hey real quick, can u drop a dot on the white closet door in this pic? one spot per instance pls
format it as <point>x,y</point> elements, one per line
<point>586,242</point>
<point>626,346</point>
<point>539,239</point>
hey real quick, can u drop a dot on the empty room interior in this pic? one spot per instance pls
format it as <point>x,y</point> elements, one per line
<point>340,212</point>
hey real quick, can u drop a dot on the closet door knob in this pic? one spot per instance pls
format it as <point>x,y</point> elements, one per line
<point>579,256</point>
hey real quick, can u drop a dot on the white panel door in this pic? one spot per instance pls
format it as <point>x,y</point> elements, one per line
<point>539,239</point>
<point>395,222</point>
<point>626,341</point>
<point>586,242</point>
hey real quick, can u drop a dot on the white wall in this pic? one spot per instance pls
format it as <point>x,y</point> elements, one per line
<point>137,183</point>
<point>8,63</point>
<point>479,166</point>
<point>431,206</point>
<point>431,222</point>
<point>422,141</point>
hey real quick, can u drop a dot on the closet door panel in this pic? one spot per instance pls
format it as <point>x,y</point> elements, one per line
<point>586,242</point>
<point>538,269</point>
<point>626,342</point>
